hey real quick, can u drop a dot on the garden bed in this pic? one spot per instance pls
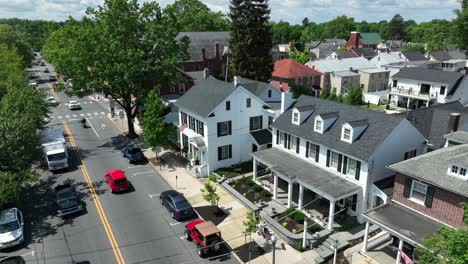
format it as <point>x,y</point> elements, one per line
<point>293,220</point>
<point>359,240</point>
<point>236,170</point>
<point>251,190</point>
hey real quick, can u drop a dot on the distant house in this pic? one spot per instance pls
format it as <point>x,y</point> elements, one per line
<point>343,54</point>
<point>280,51</point>
<point>417,87</point>
<point>206,50</point>
<point>172,91</point>
<point>446,55</point>
<point>322,49</point>
<point>374,80</point>
<point>427,195</point>
<point>391,45</point>
<point>413,56</point>
<point>367,53</point>
<point>288,72</point>
<point>363,40</point>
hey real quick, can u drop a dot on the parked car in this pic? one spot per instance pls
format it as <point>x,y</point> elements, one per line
<point>11,228</point>
<point>52,78</point>
<point>12,260</point>
<point>42,63</point>
<point>74,105</point>
<point>176,204</point>
<point>51,100</point>
<point>117,181</point>
<point>67,199</point>
<point>46,70</point>
<point>133,154</point>
<point>206,235</point>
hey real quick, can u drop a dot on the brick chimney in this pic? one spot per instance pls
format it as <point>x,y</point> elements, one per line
<point>453,122</point>
<point>354,39</point>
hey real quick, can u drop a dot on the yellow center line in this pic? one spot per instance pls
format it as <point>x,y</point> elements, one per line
<point>97,202</point>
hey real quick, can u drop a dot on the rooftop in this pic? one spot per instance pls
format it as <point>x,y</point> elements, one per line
<point>207,41</point>
<point>370,38</point>
<point>428,75</point>
<point>262,136</point>
<point>380,126</point>
<point>345,74</point>
<point>447,55</point>
<point>414,56</point>
<point>458,136</point>
<point>365,52</point>
<point>335,65</point>
<point>290,69</point>
<point>432,167</point>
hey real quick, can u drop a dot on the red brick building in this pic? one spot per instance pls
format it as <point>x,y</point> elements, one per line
<point>363,40</point>
<point>427,195</point>
<point>183,84</point>
<point>288,72</point>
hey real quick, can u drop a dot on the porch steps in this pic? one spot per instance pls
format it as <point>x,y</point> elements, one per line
<point>325,250</point>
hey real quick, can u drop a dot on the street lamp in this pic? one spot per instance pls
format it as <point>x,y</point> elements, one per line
<point>335,250</point>
<point>274,238</point>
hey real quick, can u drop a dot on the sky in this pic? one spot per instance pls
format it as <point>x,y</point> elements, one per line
<point>292,11</point>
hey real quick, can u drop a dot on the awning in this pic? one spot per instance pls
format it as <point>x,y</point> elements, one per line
<point>320,181</point>
<point>262,137</point>
<point>403,222</point>
<point>197,141</point>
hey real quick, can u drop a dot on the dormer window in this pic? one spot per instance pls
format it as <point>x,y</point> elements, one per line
<point>458,172</point>
<point>295,117</point>
<point>318,125</point>
<point>346,134</point>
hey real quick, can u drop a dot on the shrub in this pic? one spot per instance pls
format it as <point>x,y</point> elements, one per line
<point>294,230</point>
<point>298,246</point>
<point>313,228</point>
<point>250,191</point>
<point>250,182</point>
<point>266,193</point>
<point>299,216</point>
<point>285,223</point>
<point>244,194</point>
<point>257,188</point>
<point>212,178</point>
<point>290,211</point>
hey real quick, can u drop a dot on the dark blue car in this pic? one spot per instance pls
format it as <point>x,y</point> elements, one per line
<point>176,204</point>
<point>133,154</point>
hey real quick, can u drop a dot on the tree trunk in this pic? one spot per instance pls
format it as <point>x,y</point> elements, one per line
<point>131,128</point>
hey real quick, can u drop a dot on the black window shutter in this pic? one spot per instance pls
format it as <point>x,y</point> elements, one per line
<point>289,141</point>
<point>328,157</point>
<point>358,170</point>
<point>285,140</point>
<point>261,122</point>
<point>307,149</point>
<point>219,153</point>
<point>298,141</point>
<point>250,123</point>
<point>429,196</point>
<point>354,203</point>
<point>277,137</point>
<point>219,129</point>
<point>345,164</point>
<point>317,153</point>
<point>407,190</point>
<point>340,160</point>
<point>230,151</point>
<point>230,128</point>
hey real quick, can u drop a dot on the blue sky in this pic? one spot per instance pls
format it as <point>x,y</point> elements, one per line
<point>292,11</point>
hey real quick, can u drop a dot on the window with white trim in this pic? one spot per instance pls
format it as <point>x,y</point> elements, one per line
<point>334,160</point>
<point>418,191</point>
<point>352,166</point>
<point>318,125</point>
<point>455,169</point>
<point>181,88</point>
<point>462,171</point>
<point>347,134</point>
<point>295,117</point>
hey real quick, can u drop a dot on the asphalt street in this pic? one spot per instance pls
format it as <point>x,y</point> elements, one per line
<point>122,228</point>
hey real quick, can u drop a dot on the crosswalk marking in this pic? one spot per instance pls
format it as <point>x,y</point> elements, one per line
<point>59,117</point>
<point>81,114</point>
<point>74,115</point>
<point>67,116</point>
<point>102,113</point>
<point>89,114</point>
<point>96,114</point>
<point>91,102</point>
<point>85,102</point>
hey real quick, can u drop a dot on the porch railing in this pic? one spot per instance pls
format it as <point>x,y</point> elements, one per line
<point>411,92</point>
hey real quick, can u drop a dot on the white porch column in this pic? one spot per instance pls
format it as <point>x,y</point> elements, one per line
<point>331,215</point>
<point>366,237</point>
<point>275,187</point>
<point>400,248</point>
<point>304,236</point>
<point>301,196</point>
<point>254,169</point>
<point>290,190</point>
<point>427,103</point>
<point>407,105</point>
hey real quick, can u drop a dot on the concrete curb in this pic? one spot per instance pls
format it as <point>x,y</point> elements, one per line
<point>244,201</point>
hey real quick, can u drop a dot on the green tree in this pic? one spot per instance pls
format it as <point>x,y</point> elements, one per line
<point>396,27</point>
<point>251,223</point>
<point>414,47</point>
<point>13,39</point>
<point>209,194</point>
<point>194,15</point>
<point>299,56</point>
<point>298,90</point>
<point>354,96</point>
<point>460,26</point>
<point>311,32</point>
<point>447,247</point>
<point>338,27</point>
<point>155,131</point>
<point>251,39</point>
<point>283,32</point>
<point>117,48</point>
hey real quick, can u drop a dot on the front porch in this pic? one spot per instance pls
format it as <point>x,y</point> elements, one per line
<point>323,196</point>
<point>194,149</point>
<point>410,101</point>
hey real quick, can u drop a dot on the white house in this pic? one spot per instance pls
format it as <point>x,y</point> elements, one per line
<point>416,87</point>
<point>334,156</point>
<point>221,123</point>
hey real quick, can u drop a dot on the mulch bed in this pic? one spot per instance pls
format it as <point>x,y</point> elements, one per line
<point>250,190</point>
<point>359,240</point>
<point>292,225</point>
<point>236,170</point>
<point>252,247</point>
<point>207,213</point>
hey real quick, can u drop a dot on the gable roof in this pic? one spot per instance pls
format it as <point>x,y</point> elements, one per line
<point>432,167</point>
<point>433,121</point>
<point>380,125</point>
<point>427,75</point>
<point>255,87</point>
<point>357,63</point>
<point>205,96</point>
<point>414,56</point>
<point>386,58</point>
<point>371,38</point>
<point>343,54</point>
<point>441,55</point>
<point>365,52</point>
<point>290,69</point>
<point>207,41</point>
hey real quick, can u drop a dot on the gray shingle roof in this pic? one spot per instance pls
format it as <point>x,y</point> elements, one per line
<point>207,41</point>
<point>414,56</point>
<point>365,52</point>
<point>432,167</point>
<point>447,55</point>
<point>359,123</point>
<point>428,75</point>
<point>344,54</point>
<point>326,116</point>
<point>205,96</point>
<point>380,126</point>
<point>458,136</point>
<point>262,136</point>
<point>308,173</point>
<point>255,87</point>
<point>432,121</point>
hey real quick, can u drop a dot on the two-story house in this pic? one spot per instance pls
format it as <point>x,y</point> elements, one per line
<point>363,40</point>
<point>335,154</point>
<point>427,195</point>
<point>416,87</point>
<point>221,122</point>
<point>288,73</point>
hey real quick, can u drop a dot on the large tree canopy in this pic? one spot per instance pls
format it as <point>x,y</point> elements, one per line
<point>13,39</point>
<point>194,15</point>
<point>116,48</point>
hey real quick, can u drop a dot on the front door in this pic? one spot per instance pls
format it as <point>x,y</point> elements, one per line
<point>254,148</point>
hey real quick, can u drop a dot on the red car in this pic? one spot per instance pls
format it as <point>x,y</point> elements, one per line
<point>206,235</point>
<point>117,181</point>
